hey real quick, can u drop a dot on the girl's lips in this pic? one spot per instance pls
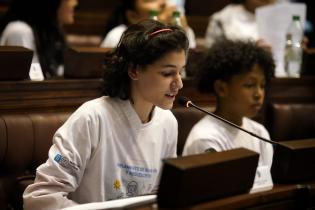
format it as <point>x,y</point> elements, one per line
<point>171,95</point>
<point>256,106</point>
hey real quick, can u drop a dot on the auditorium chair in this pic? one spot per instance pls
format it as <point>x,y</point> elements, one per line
<point>24,143</point>
<point>291,121</point>
<point>187,118</point>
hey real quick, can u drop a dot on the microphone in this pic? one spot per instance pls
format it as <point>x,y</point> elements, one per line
<point>188,103</point>
<point>288,158</point>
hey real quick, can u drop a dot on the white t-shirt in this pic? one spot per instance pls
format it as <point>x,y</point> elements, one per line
<point>19,33</point>
<point>233,22</point>
<point>212,133</point>
<point>103,152</point>
<point>113,36</point>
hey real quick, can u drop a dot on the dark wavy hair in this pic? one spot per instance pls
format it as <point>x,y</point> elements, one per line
<point>228,58</point>
<point>138,48</point>
<point>41,15</point>
<point>238,1</point>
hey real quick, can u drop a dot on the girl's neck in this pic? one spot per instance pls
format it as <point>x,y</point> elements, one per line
<point>236,119</point>
<point>144,110</point>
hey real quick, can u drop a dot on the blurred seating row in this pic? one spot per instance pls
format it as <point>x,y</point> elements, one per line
<point>24,143</point>
<point>87,62</point>
<point>91,16</point>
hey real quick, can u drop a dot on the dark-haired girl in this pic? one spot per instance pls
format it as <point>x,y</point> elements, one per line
<point>237,73</point>
<point>112,147</point>
<point>38,25</point>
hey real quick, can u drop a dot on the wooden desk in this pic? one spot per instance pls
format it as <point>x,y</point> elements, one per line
<point>48,95</point>
<point>280,197</point>
<point>68,93</point>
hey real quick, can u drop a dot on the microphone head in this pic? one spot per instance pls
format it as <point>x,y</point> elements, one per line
<point>182,100</point>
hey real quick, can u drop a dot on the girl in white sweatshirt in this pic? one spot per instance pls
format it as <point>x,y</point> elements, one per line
<point>112,147</point>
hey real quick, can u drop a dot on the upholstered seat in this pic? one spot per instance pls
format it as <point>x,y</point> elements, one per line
<point>291,121</point>
<point>24,143</point>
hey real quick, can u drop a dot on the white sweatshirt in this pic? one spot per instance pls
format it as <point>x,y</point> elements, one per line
<point>212,133</point>
<point>103,152</point>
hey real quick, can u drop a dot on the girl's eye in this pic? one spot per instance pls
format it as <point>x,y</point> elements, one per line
<point>249,85</point>
<point>166,74</point>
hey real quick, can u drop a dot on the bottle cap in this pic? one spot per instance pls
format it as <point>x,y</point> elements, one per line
<point>295,17</point>
<point>176,14</point>
<point>153,13</point>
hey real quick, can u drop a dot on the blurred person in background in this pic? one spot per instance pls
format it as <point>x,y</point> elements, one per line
<point>132,11</point>
<point>236,21</point>
<point>38,25</point>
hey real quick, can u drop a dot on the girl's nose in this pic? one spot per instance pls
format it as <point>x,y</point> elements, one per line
<point>259,93</point>
<point>177,83</point>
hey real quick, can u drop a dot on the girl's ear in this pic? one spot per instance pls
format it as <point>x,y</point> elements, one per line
<point>133,72</point>
<point>220,88</point>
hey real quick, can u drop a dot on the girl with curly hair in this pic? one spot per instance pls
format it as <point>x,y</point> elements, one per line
<point>112,147</point>
<point>237,73</point>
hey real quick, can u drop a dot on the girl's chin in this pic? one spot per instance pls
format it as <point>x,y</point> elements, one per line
<point>166,106</point>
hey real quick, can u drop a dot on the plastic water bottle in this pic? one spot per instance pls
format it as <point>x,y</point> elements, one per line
<point>176,18</point>
<point>153,15</point>
<point>293,48</point>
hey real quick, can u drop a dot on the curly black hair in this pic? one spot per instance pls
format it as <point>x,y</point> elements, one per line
<point>228,58</point>
<point>237,1</point>
<point>139,47</point>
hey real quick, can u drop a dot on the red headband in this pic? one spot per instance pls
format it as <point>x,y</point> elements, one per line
<point>160,30</point>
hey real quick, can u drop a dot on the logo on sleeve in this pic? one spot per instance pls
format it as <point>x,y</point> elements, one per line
<point>66,163</point>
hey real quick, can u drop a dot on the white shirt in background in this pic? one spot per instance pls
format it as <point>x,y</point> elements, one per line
<point>233,22</point>
<point>19,33</point>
